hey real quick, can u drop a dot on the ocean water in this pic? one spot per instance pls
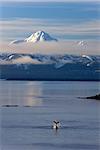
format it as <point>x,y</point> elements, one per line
<point>27,123</point>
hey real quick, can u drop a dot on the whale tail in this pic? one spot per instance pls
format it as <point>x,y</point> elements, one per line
<point>56,124</point>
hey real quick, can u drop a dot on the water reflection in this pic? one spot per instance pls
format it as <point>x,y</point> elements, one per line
<point>20,93</point>
<point>30,93</point>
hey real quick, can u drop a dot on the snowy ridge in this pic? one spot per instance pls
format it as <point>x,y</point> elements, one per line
<point>39,36</point>
<point>57,60</point>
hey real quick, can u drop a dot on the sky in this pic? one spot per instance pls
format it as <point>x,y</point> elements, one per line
<point>49,0</point>
<point>68,22</point>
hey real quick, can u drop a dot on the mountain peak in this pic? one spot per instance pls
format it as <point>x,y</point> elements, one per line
<point>40,36</point>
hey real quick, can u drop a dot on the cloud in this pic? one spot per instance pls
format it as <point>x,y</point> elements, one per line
<point>25,59</point>
<point>61,47</point>
<point>22,28</point>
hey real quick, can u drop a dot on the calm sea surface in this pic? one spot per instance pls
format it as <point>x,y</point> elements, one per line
<point>28,125</point>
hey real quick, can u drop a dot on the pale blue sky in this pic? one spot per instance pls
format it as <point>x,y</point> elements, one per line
<point>50,0</point>
<point>64,21</point>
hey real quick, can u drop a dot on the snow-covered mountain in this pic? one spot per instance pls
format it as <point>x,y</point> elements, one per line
<point>14,66</point>
<point>39,36</point>
<point>57,60</point>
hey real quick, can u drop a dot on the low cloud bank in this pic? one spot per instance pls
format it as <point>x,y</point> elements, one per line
<point>61,47</point>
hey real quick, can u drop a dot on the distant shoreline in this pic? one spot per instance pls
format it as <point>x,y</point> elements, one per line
<point>96,97</point>
<point>48,72</point>
<point>46,80</point>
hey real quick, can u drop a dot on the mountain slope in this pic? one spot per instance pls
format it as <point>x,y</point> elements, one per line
<point>39,36</point>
